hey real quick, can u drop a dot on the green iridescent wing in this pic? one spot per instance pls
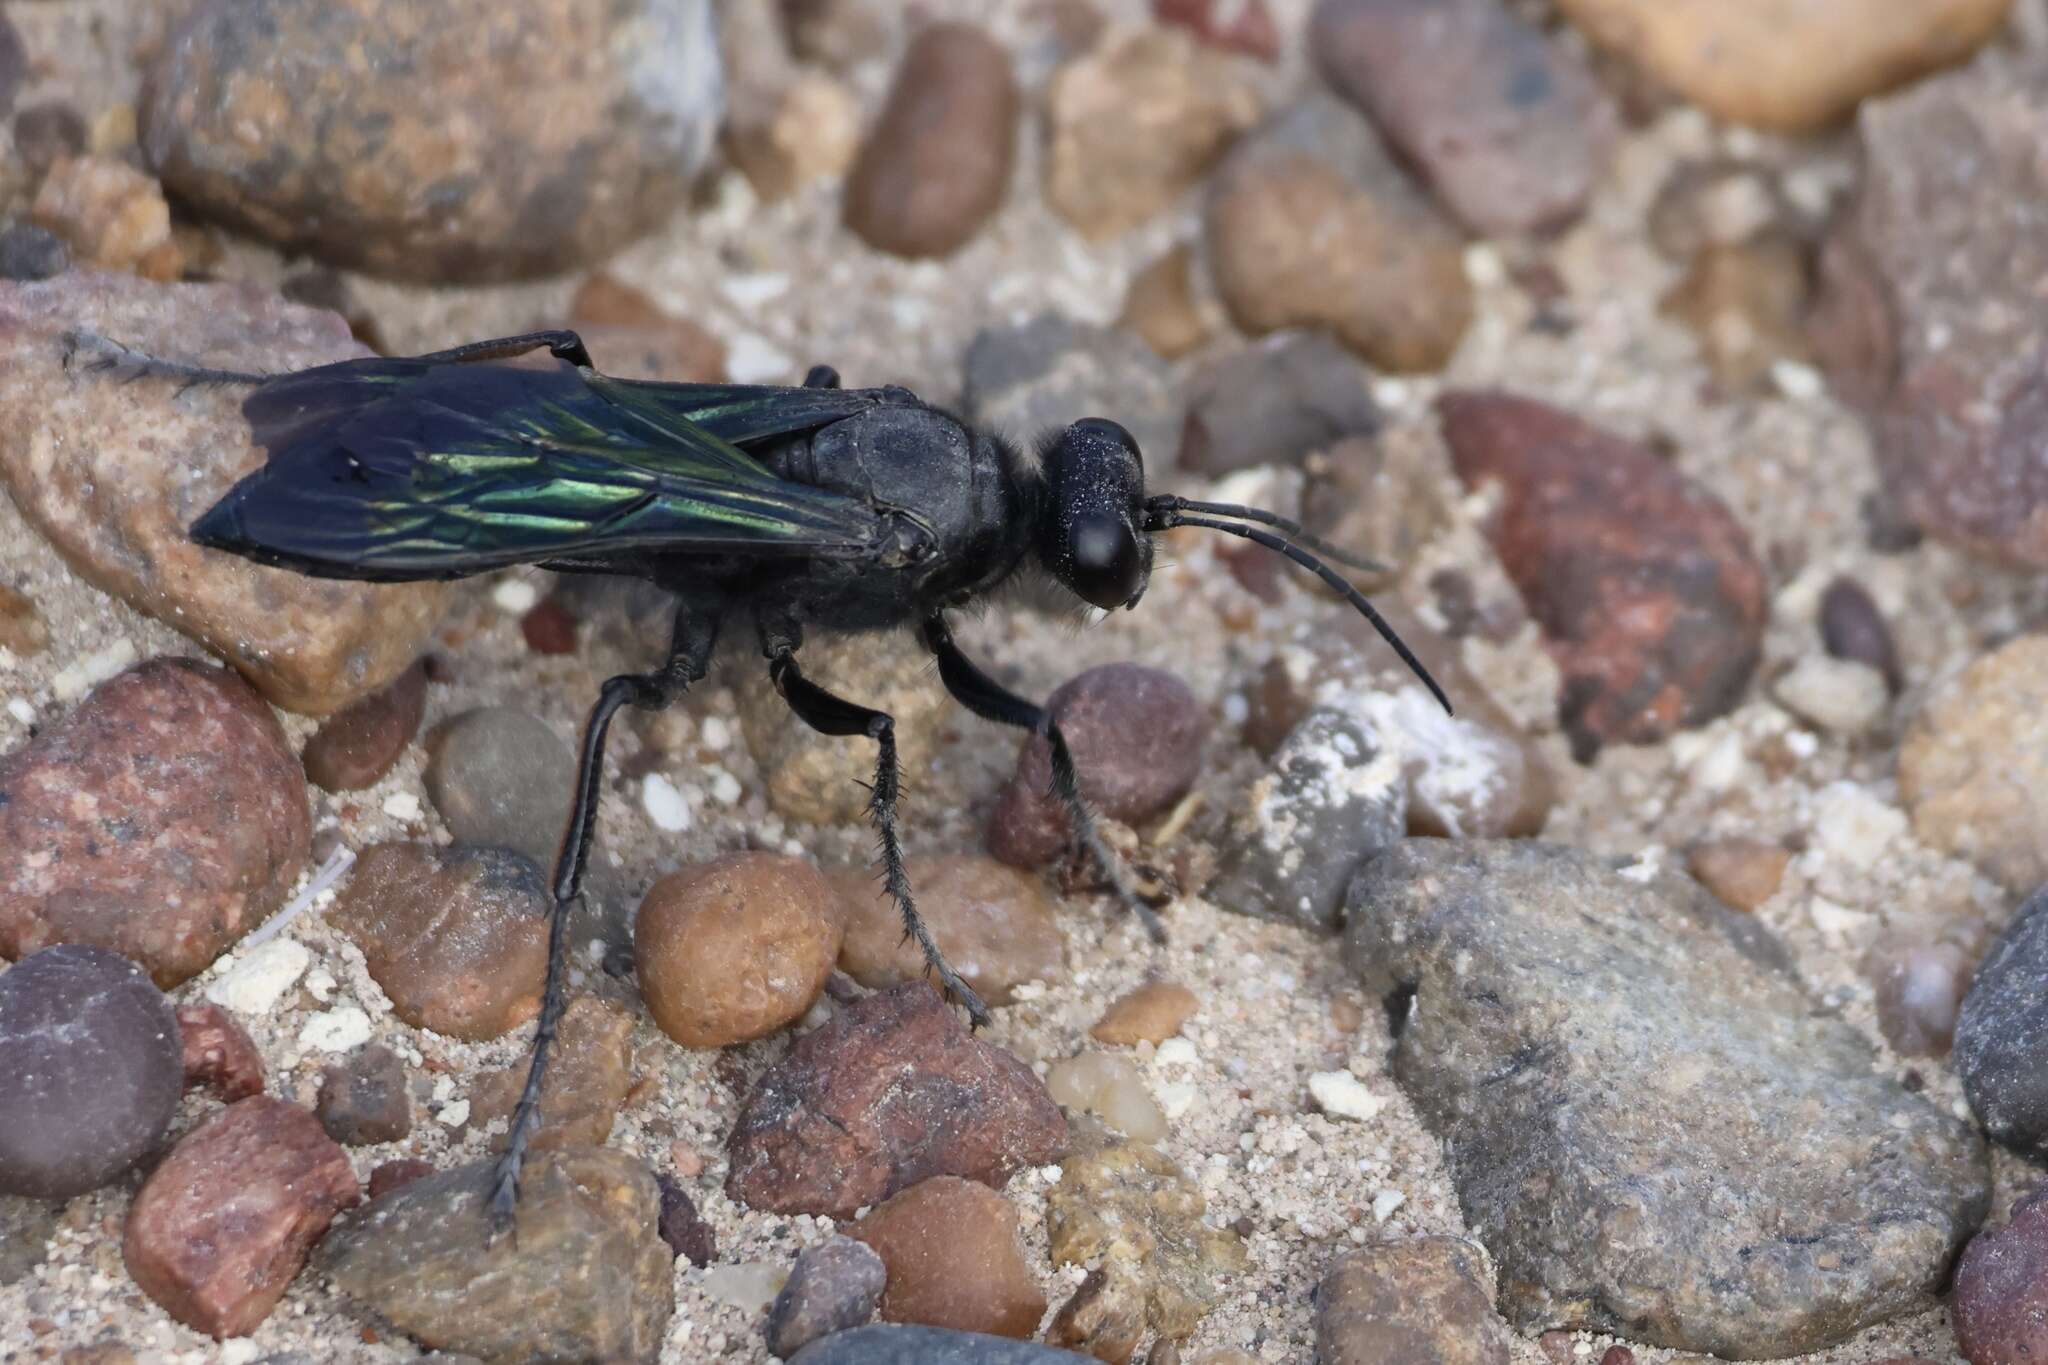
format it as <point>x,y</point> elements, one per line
<point>408,469</point>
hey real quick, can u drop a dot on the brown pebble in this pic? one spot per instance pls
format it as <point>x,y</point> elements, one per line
<point>682,1227</point>
<point>994,923</point>
<point>1744,873</point>
<point>21,627</point>
<point>457,937</point>
<point>954,1259</point>
<point>1852,627</point>
<point>397,1174</point>
<point>163,818</point>
<point>358,744</point>
<point>1919,988</point>
<point>586,1086</point>
<point>1162,306</point>
<point>110,214</point>
<point>549,627</point>
<point>1617,1355</point>
<point>1244,26</point>
<point>1152,1013</point>
<point>219,1053</point>
<point>936,164</point>
<point>633,337</point>
<point>1747,306</point>
<point>220,1228</point>
<point>364,1099</point>
<point>892,1090</point>
<point>736,948</point>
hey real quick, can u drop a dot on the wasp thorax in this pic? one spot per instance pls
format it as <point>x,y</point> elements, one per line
<point>1095,493</point>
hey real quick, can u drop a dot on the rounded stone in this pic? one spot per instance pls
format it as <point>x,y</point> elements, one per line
<point>2001,1034</point>
<point>1152,1013</point>
<point>994,923</point>
<point>91,1067</point>
<point>954,1259</point>
<point>359,743</point>
<point>500,778</point>
<point>736,948</point>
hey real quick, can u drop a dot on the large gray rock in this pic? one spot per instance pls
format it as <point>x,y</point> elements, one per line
<point>2001,1048</point>
<point>1651,1125</point>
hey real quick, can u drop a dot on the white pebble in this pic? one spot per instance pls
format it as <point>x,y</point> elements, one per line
<point>515,596</point>
<point>1798,381</point>
<point>453,1114</point>
<point>754,359</point>
<point>714,733</point>
<point>664,804</point>
<point>725,788</point>
<point>1177,1097</point>
<point>1176,1051</point>
<point>237,1351</point>
<point>403,806</point>
<point>753,290</point>
<point>749,1286</point>
<point>1840,925</point>
<point>320,984</point>
<point>1342,1095</point>
<point>255,983</point>
<point>1838,695</point>
<point>1109,1086</point>
<point>1855,827</point>
<point>1385,1202</point>
<point>76,679</point>
<point>336,1030</point>
<point>21,710</point>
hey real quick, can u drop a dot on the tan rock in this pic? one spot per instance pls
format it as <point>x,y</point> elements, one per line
<point>1152,1013</point>
<point>804,131</point>
<point>112,470</point>
<point>1973,771</point>
<point>1791,67</point>
<point>1164,307</point>
<point>954,1259</point>
<point>110,214</point>
<point>588,1077</point>
<point>1744,873</point>
<point>994,923</point>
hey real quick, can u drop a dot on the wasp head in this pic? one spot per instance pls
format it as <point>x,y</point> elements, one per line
<point>1093,537</point>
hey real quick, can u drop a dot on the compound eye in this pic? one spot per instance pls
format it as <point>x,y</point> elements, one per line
<point>1104,428</point>
<point>1104,561</point>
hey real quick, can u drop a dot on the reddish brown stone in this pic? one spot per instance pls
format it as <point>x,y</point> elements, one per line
<point>359,743</point>
<point>1649,595</point>
<point>1744,873</point>
<point>364,1100</point>
<point>629,335</point>
<point>893,1090</point>
<point>549,628</point>
<point>953,1259</point>
<point>1136,734</point>
<point>397,1174</point>
<point>994,923</point>
<point>1234,25</point>
<point>163,818</point>
<point>937,162</point>
<point>219,1053</point>
<point>221,1227</point>
<point>21,625</point>
<point>2000,1306</point>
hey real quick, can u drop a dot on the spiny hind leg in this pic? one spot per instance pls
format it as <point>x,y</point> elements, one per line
<point>92,353</point>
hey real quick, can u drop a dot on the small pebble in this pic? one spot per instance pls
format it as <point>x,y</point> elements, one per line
<point>219,1229</point>
<point>110,214</point>
<point>1852,628</point>
<point>91,1066</point>
<point>364,1099</point>
<point>1744,873</point>
<point>736,948</point>
<point>2001,1037</point>
<point>549,628</point>
<point>835,1285</point>
<point>1838,695</point>
<point>1434,1295</point>
<point>22,632</point>
<point>456,937</point>
<point>1109,1086</point>
<point>500,778</point>
<point>28,252</point>
<point>360,743</point>
<point>953,1259</point>
<point>1747,306</point>
<point>936,163</point>
<point>665,806</point>
<point>219,1053</point>
<point>682,1227</point>
<point>805,129</point>
<point>589,1076</point>
<point>1152,1013</point>
<point>1919,990</point>
<point>994,923</point>
<point>396,1174</point>
<point>1973,770</point>
<point>1164,307</point>
<point>336,1030</point>
<point>258,979</point>
<point>1342,1095</point>
<point>2000,1302</point>
<point>1718,202</point>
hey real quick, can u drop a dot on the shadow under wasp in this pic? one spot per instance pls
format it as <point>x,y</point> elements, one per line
<point>786,509</point>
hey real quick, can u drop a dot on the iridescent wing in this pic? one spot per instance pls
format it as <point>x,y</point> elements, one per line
<point>410,469</point>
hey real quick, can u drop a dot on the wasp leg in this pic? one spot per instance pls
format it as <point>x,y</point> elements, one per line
<point>561,343</point>
<point>688,659</point>
<point>990,700</point>
<point>822,377</point>
<point>91,351</point>
<point>830,715</point>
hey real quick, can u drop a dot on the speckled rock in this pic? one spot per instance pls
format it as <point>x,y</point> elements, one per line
<point>1973,771</point>
<point>360,134</point>
<point>1814,1196</point>
<point>364,1098</point>
<point>583,1276</point>
<point>1792,68</point>
<point>589,1075</point>
<point>220,1228</point>
<point>1244,26</point>
<point>457,937</point>
<point>2000,1307</point>
<point>110,215</point>
<point>112,468</point>
<point>952,1258</point>
<point>1133,1215</point>
<point>1511,132</point>
<point>1650,597</point>
<point>736,948</point>
<point>1422,1299</point>
<point>891,1091</point>
<point>1310,223</point>
<point>2001,1040</point>
<point>1030,377</point>
<point>90,1070</point>
<point>994,923</point>
<point>1135,121</point>
<point>1333,801</point>
<point>1952,204</point>
<point>500,778</point>
<point>936,163</point>
<point>210,804</point>
<point>1276,402</point>
<point>360,743</point>
<point>1136,734</point>
<point>823,779</point>
<point>913,1345</point>
<point>1152,1013</point>
<point>835,1285</point>
<point>218,1053</point>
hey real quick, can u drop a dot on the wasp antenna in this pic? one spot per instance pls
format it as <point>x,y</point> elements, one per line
<point>1169,504</point>
<point>1169,517</point>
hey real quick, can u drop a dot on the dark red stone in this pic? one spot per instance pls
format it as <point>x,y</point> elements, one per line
<point>682,1227</point>
<point>397,1174</point>
<point>359,743</point>
<point>549,628</point>
<point>219,1053</point>
<point>2000,1305</point>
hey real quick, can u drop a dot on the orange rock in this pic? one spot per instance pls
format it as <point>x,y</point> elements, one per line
<point>1152,1013</point>
<point>1744,873</point>
<point>954,1259</point>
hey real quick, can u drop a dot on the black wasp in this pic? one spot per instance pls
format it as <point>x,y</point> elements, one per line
<point>786,508</point>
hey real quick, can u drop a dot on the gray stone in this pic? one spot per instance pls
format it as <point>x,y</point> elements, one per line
<point>834,1286</point>
<point>2001,1047</point>
<point>1651,1125</point>
<point>1276,402</point>
<point>1038,376</point>
<point>501,779</point>
<point>906,1345</point>
<point>1336,799</point>
<point>583,1275</point>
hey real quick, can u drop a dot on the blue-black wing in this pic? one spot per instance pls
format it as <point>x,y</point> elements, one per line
<point>410,469</point>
